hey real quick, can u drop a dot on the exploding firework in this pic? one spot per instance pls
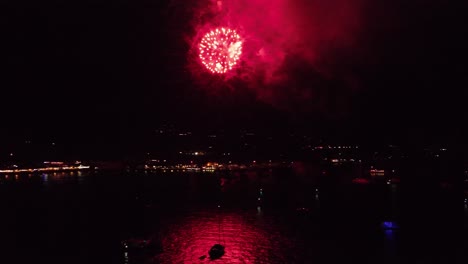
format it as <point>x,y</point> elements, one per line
<point>220,50</point>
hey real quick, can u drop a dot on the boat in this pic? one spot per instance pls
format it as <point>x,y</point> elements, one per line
<point>216,251</point>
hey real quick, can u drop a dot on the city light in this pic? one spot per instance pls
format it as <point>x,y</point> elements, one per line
<point>45,169</point>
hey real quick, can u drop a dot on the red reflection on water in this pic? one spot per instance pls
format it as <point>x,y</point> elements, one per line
<point>246,239</point>
<point>361,181</point>
<point>395,180</point>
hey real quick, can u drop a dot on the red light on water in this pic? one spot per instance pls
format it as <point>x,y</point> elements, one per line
<point>245,239</point>
<point>361,181</point>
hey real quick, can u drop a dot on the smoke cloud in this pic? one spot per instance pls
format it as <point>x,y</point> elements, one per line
<point>296,53</point>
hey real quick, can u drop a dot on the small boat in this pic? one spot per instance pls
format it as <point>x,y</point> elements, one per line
<point>216,251</point>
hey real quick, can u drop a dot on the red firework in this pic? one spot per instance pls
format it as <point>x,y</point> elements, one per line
<point>220,50</point>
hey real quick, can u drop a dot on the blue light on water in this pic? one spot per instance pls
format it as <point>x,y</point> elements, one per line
<point>389,225</point>
<point>389,234</point>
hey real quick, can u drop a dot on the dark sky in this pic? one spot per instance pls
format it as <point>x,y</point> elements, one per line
<point>91,71</point>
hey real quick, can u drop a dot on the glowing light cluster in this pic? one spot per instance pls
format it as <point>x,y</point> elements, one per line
<point>220,50</point>
<point>45,169</point>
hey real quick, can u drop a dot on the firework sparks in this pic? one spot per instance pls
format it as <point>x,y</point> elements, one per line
<point>220,50</point>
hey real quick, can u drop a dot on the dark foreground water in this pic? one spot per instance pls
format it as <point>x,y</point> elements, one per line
<point>83,217</point>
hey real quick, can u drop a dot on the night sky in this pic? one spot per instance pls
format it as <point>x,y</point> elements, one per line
<point>88,72</point>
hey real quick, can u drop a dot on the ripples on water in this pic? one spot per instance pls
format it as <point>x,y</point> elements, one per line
<point>248,238</point>
<point>81,218</point>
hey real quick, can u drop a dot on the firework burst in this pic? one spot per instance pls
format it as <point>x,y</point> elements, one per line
<point>220,50</point>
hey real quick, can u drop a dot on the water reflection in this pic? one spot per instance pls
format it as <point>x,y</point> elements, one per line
<point>294,222</point>
<point>45,178</point>
<point>63,176</point>
<point>390,246</point>
<point>248,238</point>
